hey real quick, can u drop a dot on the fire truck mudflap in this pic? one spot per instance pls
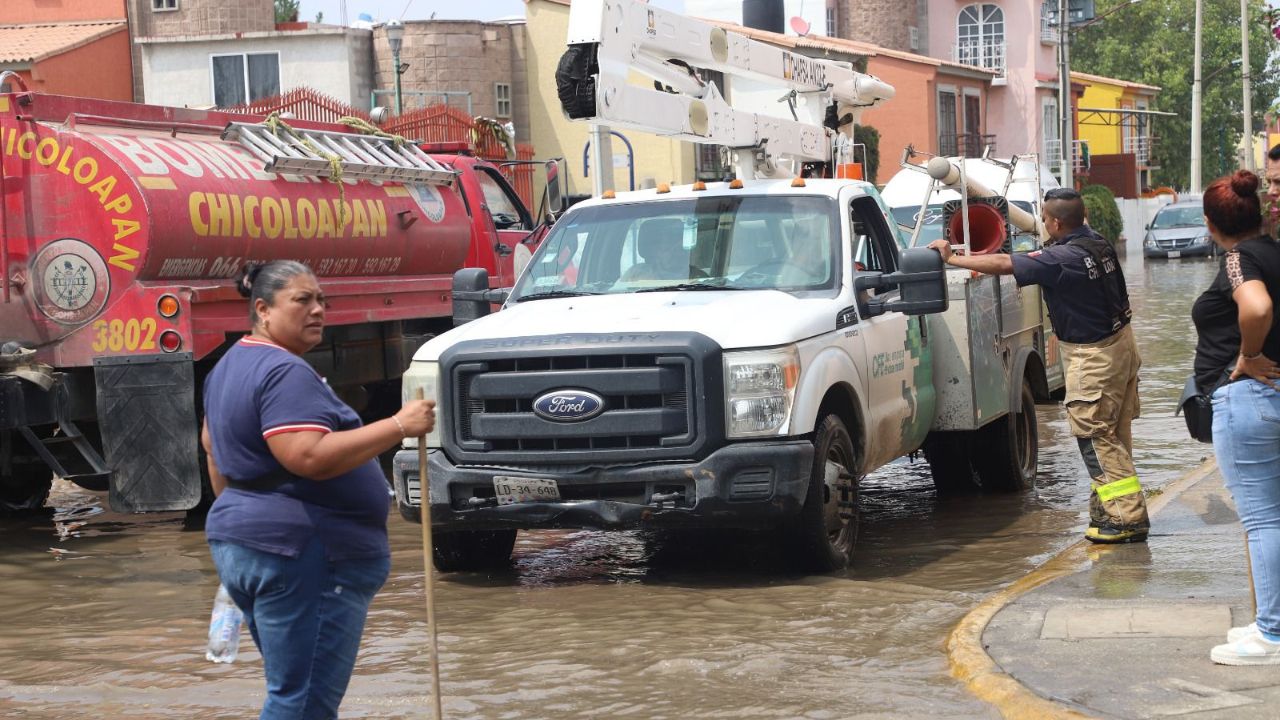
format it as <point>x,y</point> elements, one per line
<point>147,415</point>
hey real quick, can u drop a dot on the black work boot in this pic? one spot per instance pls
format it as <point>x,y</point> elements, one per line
<point>1108,534</point>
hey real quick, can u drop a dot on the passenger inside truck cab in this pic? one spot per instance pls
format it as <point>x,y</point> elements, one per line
<point>660,244</point>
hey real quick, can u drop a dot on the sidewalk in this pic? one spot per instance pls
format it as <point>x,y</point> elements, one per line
<point>1124,631</point>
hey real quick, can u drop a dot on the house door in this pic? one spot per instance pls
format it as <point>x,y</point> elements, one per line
<point>972,126</point>
<point>947,123</point>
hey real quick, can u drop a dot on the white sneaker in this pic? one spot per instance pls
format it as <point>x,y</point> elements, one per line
<point>1248,650</point>
<point>1239,633</point>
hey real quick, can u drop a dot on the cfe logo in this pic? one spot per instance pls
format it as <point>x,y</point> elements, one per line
<point>72,281</point>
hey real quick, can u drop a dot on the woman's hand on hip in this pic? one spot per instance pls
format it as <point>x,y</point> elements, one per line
<point>418,417</point>
<point>1259,367</point>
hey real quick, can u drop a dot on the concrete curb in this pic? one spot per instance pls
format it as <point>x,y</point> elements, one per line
<point>970,663</point>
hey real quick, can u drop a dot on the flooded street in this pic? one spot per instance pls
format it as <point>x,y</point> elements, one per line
<point>105,615</point>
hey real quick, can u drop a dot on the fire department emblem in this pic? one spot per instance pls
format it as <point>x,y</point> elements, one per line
<point>71,281</point>
<point>430,200</point>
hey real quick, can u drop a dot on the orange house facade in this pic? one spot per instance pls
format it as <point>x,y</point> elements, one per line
<point>70,47</point>
<point>939,107</point>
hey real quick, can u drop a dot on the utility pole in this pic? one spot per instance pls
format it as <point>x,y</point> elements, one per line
<point>1248,101</point>
<point>1195,106</point>
<point>1064,93</point>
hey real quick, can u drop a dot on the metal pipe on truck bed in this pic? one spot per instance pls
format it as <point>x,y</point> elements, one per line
<point>946,172</point>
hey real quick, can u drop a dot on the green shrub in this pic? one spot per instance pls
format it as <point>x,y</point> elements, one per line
<point>1103,214</point>
<point>870,137</point>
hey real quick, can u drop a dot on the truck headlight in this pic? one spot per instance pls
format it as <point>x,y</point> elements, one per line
<point>760,386</point>
<point>1202,240</point>
<point>1149,242</point>
<point>425,375</point>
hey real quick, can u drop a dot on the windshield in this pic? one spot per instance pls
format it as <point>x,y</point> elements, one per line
<point>740,242</point>
<point>932,229</point>
<point>1172,217</point>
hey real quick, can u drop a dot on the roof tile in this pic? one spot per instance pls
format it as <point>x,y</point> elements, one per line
<point>37,41</point>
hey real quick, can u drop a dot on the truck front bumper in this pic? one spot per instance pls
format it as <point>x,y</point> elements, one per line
<point>746,485</point>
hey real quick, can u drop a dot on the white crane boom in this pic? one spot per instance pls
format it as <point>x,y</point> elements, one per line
<point>610,39</point>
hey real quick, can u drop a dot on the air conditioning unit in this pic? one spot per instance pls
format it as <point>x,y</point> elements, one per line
<point>913,37</point>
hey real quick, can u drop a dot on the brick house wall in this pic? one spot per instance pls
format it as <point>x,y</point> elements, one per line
<point>195,17</point>
<point>458,56</point>
<point>880,22</point>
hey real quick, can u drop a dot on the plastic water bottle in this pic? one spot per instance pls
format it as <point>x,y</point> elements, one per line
<point>224,628</point>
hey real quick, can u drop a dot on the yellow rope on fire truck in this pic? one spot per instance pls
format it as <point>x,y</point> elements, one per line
<point>275,123</point>
<point>368,128</point>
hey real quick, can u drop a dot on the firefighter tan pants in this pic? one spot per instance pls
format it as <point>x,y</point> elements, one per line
<point>1102,401</point>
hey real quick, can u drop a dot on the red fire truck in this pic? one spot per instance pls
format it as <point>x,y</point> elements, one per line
<point>122,227</point>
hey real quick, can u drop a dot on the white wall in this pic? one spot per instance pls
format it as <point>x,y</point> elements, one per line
<point>180,74</point>
<point>1137,212</point>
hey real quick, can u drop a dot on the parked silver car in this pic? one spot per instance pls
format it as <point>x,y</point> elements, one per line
<point>1178,230</point>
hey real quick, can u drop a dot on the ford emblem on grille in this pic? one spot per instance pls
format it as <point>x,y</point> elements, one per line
<point>568,405</point>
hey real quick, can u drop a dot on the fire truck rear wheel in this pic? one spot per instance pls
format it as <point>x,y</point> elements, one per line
<point>461,551</point>
<point>823,536</point>
<point>26,490</point>
<point>1011,448</point>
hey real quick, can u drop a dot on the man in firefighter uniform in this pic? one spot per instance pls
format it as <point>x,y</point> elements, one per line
<point>1088,303</point>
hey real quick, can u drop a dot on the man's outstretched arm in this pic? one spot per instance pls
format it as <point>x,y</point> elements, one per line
<point>996,264</point>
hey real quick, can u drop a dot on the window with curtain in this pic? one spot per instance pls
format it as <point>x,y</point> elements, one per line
<point>238,79</point>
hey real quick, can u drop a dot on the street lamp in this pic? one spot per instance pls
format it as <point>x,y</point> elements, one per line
<point>395,37</point>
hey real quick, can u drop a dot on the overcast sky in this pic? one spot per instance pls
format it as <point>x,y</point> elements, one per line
<point>382,10</point>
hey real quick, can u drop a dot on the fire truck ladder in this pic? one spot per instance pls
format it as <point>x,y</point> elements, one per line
<point>312,152</point>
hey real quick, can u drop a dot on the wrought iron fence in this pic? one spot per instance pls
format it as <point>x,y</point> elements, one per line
<point>965,144</point>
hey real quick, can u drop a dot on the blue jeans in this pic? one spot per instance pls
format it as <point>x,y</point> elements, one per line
<point>306,615</point>
<point>1246,439</point>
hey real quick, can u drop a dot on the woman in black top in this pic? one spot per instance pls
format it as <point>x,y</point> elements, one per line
<point>1239,342</point>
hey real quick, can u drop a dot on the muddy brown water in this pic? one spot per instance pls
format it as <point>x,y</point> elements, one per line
<point>104,615</point>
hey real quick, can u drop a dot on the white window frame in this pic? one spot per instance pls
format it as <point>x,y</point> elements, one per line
<point>832,16</point>
<point>979,39</point>
<point>502,96</point>
<point>164,5</point>
<point>248,97</point>
<point>956,119</point>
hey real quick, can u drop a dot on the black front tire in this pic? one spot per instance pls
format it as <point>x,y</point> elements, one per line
<point>823,536</point>
<point>1011,448</point>
<point>467,550</point>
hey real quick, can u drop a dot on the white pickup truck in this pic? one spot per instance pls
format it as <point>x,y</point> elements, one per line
<point>729,355</point>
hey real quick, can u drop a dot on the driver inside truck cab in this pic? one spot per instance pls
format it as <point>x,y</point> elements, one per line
<point>660,244</point>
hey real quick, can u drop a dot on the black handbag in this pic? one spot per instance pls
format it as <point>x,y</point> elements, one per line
<point>1197,407</point>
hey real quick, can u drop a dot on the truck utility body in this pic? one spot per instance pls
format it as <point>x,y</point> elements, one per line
<point>123,228</point>
<point>730,354</point>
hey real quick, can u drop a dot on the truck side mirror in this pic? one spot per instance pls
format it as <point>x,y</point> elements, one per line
<point>555,193</point>
<point>922,276</point>
<point>472,296</point>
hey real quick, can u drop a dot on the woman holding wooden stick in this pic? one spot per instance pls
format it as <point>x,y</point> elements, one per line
<point>299,528</point>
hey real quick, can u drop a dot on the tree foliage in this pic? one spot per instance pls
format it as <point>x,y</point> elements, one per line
<point>1103,213</point>
<point>1151,42</point>
<point>287,10</point>
<point>870,137</point>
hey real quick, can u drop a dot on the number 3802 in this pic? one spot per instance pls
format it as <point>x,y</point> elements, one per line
<point>132,334</point>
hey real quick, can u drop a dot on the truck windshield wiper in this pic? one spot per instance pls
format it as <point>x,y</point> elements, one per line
<point>554,294</point>
<point>689,286</point>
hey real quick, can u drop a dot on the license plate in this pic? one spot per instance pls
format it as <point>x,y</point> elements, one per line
<point>512,490</point>
<point>1175,253</point>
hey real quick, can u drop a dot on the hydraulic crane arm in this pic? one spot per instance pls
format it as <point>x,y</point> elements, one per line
<point>610,39</point>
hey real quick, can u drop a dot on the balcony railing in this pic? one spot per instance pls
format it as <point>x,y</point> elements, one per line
<point>1049,22</point>
<point>968,145</point>
<point>1079,154</point>
<point>1140,147</point>
<point>984,54</point>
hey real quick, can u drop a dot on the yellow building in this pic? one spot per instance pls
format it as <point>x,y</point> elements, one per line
<point>1114,118</point>
<point>655,159</point>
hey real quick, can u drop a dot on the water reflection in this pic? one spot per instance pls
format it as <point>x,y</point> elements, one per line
<point>105,614</point>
